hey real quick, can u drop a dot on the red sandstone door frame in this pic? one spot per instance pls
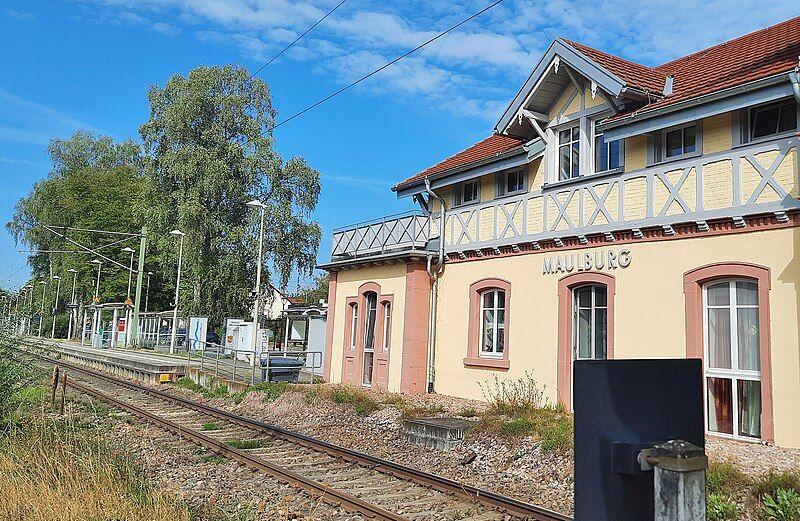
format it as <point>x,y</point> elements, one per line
<point>353,359</point>
<point>383,340</point>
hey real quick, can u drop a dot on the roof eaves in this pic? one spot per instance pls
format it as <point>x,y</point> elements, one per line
<point>461,168</point>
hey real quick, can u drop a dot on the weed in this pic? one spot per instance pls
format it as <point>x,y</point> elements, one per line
<point>218,392</point>
<point>784,505</point>
<point>469,412</point>
<point>725,478</point>
<point>771,482</point>
<point>720,508</point>
<point>361,401</point>
<point>411,412</point>
<point>214,458</point>
<point>513,397</point>
<point>210,426</point>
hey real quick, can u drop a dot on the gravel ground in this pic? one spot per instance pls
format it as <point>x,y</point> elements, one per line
<point>213,487</point>
<point>753,458</point>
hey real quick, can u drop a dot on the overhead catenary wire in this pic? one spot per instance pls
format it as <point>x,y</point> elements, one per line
<point>297,39</point>
<point>384,66</point>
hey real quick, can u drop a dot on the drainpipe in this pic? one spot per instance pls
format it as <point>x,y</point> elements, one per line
<point>794,77</point>
<point>434,272</point>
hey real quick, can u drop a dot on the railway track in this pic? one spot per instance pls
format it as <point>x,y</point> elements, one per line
<point>357,482</point>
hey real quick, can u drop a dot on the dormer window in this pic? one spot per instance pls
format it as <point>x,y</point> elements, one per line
<point>467,192</point>
<point>509,183</point>
<point>773,119</point>
<point>680,141</point>
<point>569,155</point>
<point>608,155</point>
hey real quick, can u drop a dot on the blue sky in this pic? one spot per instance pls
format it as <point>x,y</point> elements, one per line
<point>70,64</point>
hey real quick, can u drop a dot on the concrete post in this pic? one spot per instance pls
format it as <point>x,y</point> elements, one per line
<point>680,481</point>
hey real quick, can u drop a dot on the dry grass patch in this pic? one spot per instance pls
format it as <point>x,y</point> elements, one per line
<point>55,471</point>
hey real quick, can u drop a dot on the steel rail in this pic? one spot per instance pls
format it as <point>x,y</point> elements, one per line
<point>508,505</point>
<point>317,490</point>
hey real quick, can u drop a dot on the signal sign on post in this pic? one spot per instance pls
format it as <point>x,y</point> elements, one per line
<point>128,302</point>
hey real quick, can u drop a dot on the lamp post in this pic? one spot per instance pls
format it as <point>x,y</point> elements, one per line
<point>255,203</point>
<point>41,310</point>
<point>29,287</point>
<point>99,264</point>
<point>147,292</point>
<point>181,235</point>
<point>128,301</point>
<point>73,311</point>
<point>55,306</point>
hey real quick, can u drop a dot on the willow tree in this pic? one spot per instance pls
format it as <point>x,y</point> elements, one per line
<point>209,149</point>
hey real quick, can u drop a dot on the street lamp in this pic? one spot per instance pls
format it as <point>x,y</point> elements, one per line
<point>73,310</point>
<point>41,310</point>
<point>99,264</point>
<point>147,291</point>
<point>128,300</point>
<point>181,235</point>
<point>55,307</point>
<point>255,203</point>
<point>29,287</point>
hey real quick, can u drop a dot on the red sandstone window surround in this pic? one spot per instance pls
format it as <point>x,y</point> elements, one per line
<point>489,320</point>
<point>697,312</point>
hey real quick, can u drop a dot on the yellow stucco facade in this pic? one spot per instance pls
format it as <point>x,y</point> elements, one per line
<point>650,314</point>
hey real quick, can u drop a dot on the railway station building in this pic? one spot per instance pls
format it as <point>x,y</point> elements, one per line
<point>616,211</point>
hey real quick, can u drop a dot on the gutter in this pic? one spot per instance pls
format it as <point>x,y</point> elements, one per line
<point>700,100</point>
<point>461,168</point>
<point>434,272</point>
<point>794,78</point>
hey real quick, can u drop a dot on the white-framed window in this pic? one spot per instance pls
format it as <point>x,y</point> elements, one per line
<point>353,326</point>
<point>387,325</point>
<point>772,119</point>
<point>680,141</point>
<point>608,155</point>
<point>732,357</point>
<point>511,182</point>
<point>370,314</point>
<point>569,155</point>
<point>467,192</point>
<point>493,322</point>
<point>590,322</point>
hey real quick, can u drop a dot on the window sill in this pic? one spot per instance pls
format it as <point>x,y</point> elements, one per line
<point>491,363</point>
<point>767,139</point>
<point>566,182</point>
<point>511,194</point>
<point>673,159</point>
<point>465,205</point>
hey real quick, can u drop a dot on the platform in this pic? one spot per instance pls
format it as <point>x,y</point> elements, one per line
<point>137,364</point>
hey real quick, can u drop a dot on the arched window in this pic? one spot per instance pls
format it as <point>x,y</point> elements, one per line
<point>489,324</point>
<point>370,314</point>
<point>590,322</point>
<point>353,326</point>
<point>387,325</point>
<point>493,323</point>
<point>732,357</point>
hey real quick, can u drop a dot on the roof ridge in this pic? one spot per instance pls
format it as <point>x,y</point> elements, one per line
<point>579,44</point>
<point>723,44</point>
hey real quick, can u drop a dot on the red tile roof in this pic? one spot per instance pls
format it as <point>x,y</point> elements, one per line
<point>634,74</point>
<point>492,146</point>
<point>751,57</point>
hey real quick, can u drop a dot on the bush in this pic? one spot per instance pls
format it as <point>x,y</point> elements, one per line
<point>784,505</point>
<point>469,412</point>
<point>552,425</point>
<point>769,483</point>
<point>720,508</point>
<point>724,478</point>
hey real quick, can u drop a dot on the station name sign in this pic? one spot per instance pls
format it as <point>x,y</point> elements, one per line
<point>599,260</point>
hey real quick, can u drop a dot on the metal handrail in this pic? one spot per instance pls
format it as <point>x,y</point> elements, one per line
<point>409,213</point>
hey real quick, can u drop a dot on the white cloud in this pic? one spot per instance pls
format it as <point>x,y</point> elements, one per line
<point>471,71</point>
<point>19,15</point>
<point>25,121</point>
<point>375,185</point>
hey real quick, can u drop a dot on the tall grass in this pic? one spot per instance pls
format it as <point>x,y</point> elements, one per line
<point>53,471</point>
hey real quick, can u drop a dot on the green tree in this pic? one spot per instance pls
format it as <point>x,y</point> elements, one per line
<point>97,184</point>
<point>208,150</point>
<point>316,291</point>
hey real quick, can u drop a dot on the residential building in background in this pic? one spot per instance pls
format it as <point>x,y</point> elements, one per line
<point>617,211</point>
